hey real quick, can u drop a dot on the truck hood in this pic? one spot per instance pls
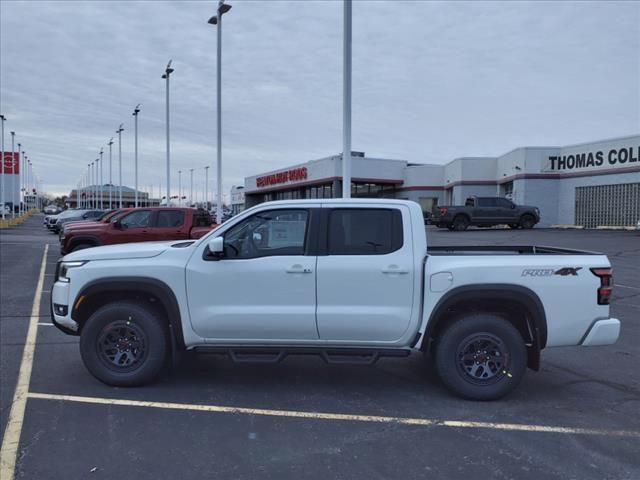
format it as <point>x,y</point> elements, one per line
<point>78,223</point>
<point>86,225</point>
<point>122,251</point>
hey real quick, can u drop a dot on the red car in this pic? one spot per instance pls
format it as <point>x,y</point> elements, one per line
<point>139,225</point>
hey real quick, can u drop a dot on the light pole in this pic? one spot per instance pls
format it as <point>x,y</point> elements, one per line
<point>217,20</point>
<point>110,171</point>
<point>167,73</point>
<point>20,178</point>
<point>95,203</point>
<point>87,187</point>
<point>29,181</point>
<point>101,184</point>
<point>179,188</point>
<point>135,116</point>
<point>206,187</point>
<point>191,203</point>
<point>13,171</point>
<point>78,193</point>
<point>2,194</point>
<point>119,132</point>
<point>346,102</point>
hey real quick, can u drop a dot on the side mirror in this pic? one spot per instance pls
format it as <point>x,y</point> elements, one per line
<point>216,245</point>
<point>117,225</point>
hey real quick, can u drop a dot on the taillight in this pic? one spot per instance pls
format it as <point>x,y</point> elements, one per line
<point>443,211</point>
<point>606,284</point>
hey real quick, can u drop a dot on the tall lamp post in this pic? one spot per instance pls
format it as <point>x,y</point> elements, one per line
<point>110,171</point>
<point>217,20</point>
<point>167,73</point>
<point>87,189</point>
<point>13,171</point>
<point>13,177</point>
<point>20,176</point>
<point>179,188</point>
<point>191,203</point>
<point>101,184</point>
<point>135,116</point>
<point>346,102</point>
<point>95,203</point>
<point>92,187</point>
<point>2,194</point>
<point>206,187</point>
<point>119,132</point>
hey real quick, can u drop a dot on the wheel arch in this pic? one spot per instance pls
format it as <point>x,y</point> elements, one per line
<point>158,294</point>
<point>520,305</point>
<point>75,241</point>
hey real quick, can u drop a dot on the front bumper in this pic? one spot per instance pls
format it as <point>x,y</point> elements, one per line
<point>602,332</point>
<point>60,296</point>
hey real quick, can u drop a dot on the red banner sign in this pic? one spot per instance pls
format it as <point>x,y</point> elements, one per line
<point>11,167</point>
<point>293,175</point>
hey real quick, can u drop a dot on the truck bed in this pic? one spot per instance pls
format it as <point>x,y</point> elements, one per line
<point>505,250</point>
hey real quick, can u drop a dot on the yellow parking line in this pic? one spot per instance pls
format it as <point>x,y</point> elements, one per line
<point>337,416</point>
<point>12,432</point>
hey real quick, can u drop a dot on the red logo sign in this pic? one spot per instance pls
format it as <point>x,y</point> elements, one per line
<point>11,167</point>
<point>293,175</point>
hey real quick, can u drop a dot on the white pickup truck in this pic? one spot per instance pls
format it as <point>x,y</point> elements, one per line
<point>349,280</point>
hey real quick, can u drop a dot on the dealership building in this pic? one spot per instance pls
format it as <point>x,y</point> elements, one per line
<point>589,184</point>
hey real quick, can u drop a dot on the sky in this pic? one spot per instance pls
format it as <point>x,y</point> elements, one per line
<point>432,81</point>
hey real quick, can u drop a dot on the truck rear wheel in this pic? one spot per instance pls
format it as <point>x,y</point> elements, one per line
<point>460,223</point>
<point>481,357</point>
<point>124,344</point>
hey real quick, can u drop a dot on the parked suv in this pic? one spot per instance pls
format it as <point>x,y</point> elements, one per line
<point>485,212</point>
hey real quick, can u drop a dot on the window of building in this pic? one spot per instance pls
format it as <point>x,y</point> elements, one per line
<point>274,232</point>
<point>507,190</point>
<point>364,231</point>
<point>170,218</point>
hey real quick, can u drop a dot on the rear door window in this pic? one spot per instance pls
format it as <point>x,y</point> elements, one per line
<point>170,219</point>
<point>370,231</point>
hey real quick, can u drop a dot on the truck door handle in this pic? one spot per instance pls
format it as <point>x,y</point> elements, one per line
<point>394,269</point>
<point>298,269</point>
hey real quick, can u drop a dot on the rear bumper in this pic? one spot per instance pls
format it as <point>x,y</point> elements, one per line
<point>602,332</point>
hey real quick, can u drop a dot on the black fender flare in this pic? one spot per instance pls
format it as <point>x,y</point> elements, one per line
<point>75,241</point>
<point>148,285</point>
<point>536,316</point>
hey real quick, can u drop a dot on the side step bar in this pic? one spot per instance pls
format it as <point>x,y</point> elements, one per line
<point>360,356</point>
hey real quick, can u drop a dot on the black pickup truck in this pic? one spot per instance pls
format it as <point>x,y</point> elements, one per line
<point>484,212</point>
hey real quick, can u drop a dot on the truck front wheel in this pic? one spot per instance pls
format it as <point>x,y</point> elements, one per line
<point>481,357</point>
<point>124,344</point>
<point>527,221</point>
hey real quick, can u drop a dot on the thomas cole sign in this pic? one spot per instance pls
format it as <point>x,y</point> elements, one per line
<point>611,158</point>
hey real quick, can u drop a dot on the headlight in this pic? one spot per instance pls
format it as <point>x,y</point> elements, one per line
<point>63,270</point>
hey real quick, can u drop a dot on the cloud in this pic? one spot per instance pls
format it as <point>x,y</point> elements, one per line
<point>431,81</point>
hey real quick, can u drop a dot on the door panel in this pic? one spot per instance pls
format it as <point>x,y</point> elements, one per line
<point>134,227</point>
<point>169,225</point>
<point>366,295</point>
<point>264,287</point>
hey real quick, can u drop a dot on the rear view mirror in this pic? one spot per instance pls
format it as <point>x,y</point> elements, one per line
<point>216,245</point>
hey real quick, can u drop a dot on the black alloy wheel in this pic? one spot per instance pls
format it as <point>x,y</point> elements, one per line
<point>122,346</point>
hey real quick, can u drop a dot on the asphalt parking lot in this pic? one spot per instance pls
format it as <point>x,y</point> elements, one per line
<point>210,418</point>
